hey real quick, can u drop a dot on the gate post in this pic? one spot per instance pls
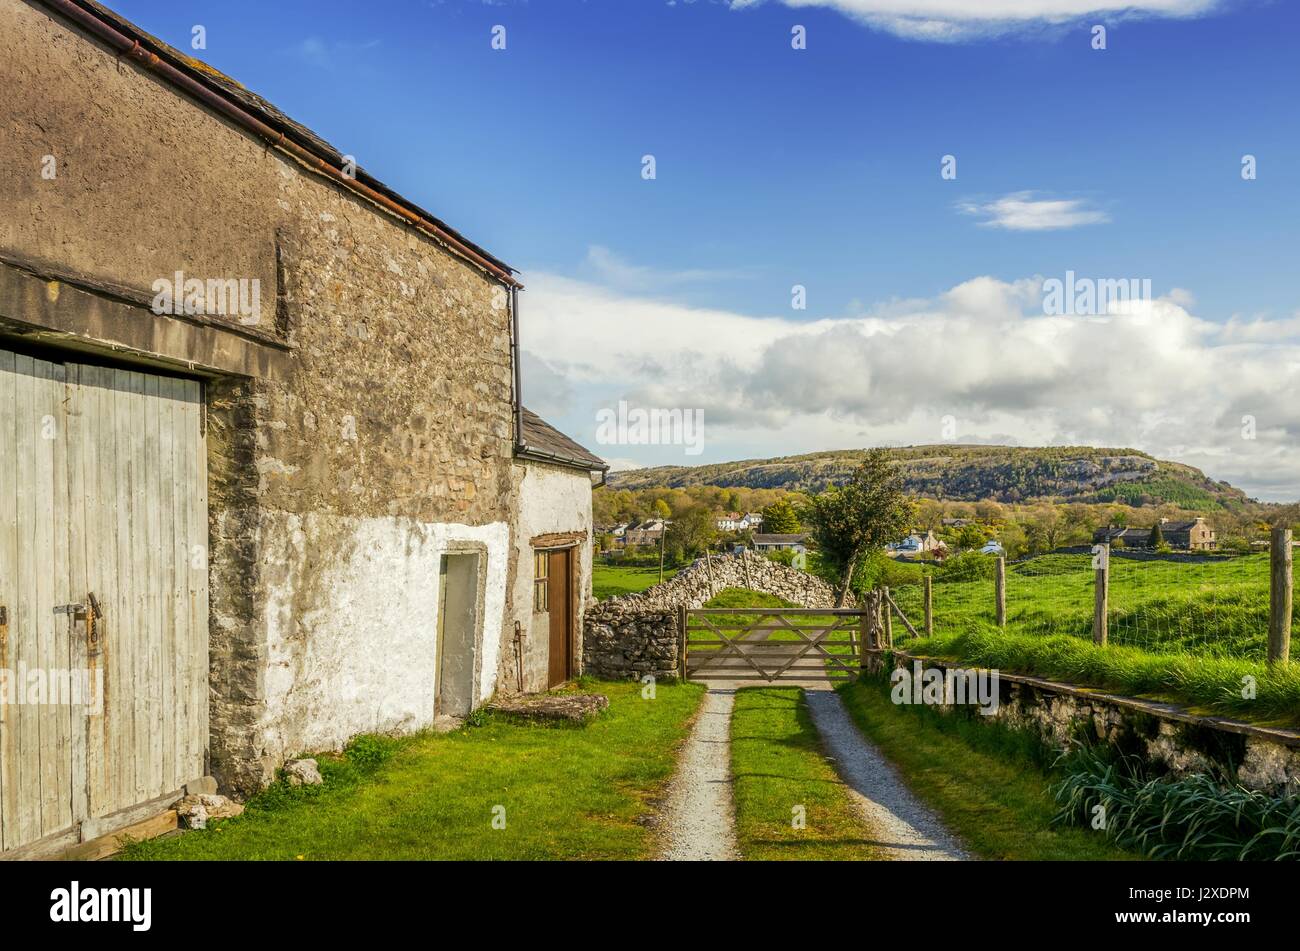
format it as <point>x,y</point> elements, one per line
<point>888,626</point>
<point>1280,593</point>
<point>681,642</point>
<point>864,632</point>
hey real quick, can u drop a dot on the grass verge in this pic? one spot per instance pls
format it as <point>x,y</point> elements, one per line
<point>1204,683</point>
<point>608,581</point>
<point>778,764</point>
<point>567,792</point>
<point>988,783</point>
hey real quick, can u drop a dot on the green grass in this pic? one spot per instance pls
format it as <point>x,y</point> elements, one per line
<point>1186,633</point>
<point>988,783</point>
<point>569,792</point>
<point>777,760</point>
<point>608,581</point>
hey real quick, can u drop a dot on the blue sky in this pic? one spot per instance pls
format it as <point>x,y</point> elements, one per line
<point>821,167</point>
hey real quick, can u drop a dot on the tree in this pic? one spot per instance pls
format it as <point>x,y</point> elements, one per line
<point>691,532</point>
<point>780,518</point>
<point>661,509</point>
<point>1157,540</point>
<point>850,521</point>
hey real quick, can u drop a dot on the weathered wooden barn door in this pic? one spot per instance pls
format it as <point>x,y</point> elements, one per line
<point>35,738</point>
<point>103,544</point>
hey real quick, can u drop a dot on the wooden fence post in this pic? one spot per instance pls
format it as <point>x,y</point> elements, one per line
<point>1280,593</point>
<point>1101,595</point>
<point>681,642</point>
<point>1000,592</point>
<point>929,606</point>
<point>888,618</point>
<point>864,633</point>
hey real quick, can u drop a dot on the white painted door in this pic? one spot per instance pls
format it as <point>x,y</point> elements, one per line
<point>103,585</point>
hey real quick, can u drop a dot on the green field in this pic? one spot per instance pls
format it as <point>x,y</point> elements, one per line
<point>564,792</point>
<point>608,581</point>
<point>1214,609</point>
<point>1184,632</point>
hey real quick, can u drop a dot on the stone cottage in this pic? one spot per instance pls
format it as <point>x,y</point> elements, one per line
<point>262,413</point>
<point>553,546</point>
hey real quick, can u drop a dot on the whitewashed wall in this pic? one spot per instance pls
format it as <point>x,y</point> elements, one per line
<point>354,650</point>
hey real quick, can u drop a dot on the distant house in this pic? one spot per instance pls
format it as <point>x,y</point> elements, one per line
<point>794,542</point>
<point>1194,535</point>
<point>914,544</point>
<point>729,522</point>
<point>957,522</point>
<point>993,547</point>
<point>646,533</point>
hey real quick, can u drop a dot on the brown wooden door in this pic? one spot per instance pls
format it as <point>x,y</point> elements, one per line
<point>560,604</point>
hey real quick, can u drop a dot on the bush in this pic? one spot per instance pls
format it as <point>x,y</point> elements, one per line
<point>969,566</point>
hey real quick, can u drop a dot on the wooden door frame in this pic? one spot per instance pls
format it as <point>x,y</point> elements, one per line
<point>571,621</point>
<point>461,547</point>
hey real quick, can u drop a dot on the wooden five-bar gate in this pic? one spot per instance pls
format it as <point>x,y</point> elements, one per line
<point>773,644</point>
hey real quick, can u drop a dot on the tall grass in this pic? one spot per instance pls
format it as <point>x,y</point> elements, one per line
<point>1195,818</point>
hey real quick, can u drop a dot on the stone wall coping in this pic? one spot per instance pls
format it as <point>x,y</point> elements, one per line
<point>1166,711</point>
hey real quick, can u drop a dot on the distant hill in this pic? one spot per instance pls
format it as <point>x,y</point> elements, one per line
<point>971,474</point>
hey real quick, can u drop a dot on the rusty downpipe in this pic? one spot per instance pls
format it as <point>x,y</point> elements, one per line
<point>131,48</point>
<point>514,360</point>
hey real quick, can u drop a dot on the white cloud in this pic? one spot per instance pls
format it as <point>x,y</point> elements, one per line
<point>611,270</point>
<point>957,20</point>
<point>324,54</point>
<point>1022,211</point>
<point>1156,378</point>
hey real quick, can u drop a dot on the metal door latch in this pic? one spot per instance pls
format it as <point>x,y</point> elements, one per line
<point>78,610</point>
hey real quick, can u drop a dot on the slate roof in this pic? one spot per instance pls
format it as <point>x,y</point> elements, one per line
<point>545,443</point>
<point>797,538</point>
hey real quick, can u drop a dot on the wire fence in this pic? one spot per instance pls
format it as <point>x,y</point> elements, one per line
<point>1198,603</point>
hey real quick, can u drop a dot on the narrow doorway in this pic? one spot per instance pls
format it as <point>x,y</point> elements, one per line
<point>559,596</point>
<point>458,624</point>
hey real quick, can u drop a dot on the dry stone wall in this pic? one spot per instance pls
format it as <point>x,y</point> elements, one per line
<point>1261,759</point>
<point>637,634</point>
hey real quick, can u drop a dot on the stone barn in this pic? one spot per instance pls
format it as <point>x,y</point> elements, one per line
<point>260,437</point>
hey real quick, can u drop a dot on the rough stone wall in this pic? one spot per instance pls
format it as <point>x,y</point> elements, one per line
<point>334,490</point>
<point>1063,720</point>
<point>637,634</point>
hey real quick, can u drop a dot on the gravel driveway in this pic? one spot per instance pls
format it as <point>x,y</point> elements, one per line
<point>908,830</point>
<point>698,822</point>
